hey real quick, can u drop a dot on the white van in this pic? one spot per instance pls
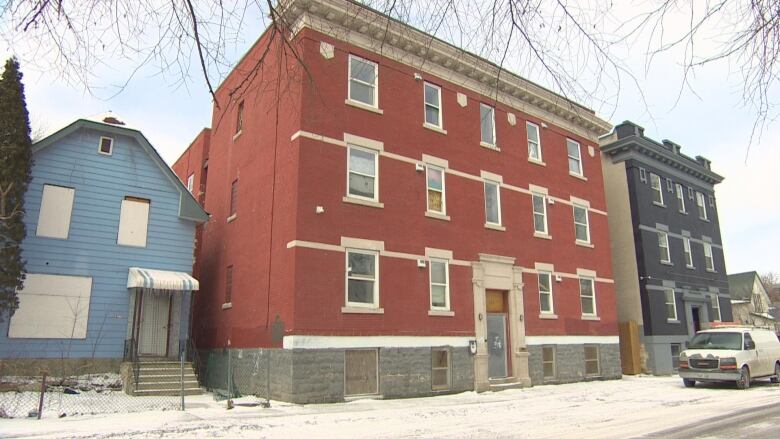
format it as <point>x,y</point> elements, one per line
<point>738,354</point>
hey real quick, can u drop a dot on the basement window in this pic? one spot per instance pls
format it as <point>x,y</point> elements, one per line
<point>440,369</point>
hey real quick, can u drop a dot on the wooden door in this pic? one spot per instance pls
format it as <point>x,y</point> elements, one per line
<point>360,372</point>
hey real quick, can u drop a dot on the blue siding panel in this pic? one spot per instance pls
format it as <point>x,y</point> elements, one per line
<point>101,183</point>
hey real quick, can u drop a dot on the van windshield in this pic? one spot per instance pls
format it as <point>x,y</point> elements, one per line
<point>717,340</point>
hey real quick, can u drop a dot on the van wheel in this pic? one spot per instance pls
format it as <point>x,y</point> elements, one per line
<point>744,378</point>
<point>689,383</point>
<point>776,377</point>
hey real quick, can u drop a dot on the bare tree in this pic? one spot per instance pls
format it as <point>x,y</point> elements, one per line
<point>771,281</point>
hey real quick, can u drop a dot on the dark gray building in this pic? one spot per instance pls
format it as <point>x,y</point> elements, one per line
<point>669,270</point>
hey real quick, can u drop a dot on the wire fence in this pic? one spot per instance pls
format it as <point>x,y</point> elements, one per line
<point>237,374</point>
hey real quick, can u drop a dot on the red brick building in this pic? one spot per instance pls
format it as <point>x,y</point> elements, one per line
<point>394,220</point>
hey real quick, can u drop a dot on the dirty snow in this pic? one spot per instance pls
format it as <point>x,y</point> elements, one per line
<point>628,407</point>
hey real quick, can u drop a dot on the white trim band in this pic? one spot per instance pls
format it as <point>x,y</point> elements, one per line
<point>533,340</point>
<point>378,341</point>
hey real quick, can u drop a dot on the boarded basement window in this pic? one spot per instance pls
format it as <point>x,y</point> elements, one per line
<point>592,360</point>
<point>360,372</point>
<point>440,369</point>
<point>548,362</point>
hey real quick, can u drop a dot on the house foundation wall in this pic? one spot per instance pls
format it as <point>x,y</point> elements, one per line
<point>570,363</point>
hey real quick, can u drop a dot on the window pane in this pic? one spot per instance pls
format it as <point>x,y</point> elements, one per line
<point>491,203</point>
<point>538,204</point>
<point>361,185</point>
<point>581,232</point>
<point>361,291</point>
<point>539,225</point>
<point>533,150</point>
<point>438,296</point>
<point>533,133</point>
<point>438,272</point>
<point>361,264</point>
<point>432,115</point>
<point>362,161</point>
<point>547,354</point>
<point>486,116</point>
<point>592,367</point>
<point>587,305</point>
<point>580,215</point>
<point>544,282</point>
<point>573,149</point>
<point>362,70</point>
<point>586,287</point>
<point>544,302</point>
<point>435,201</point>
<point>431,95</point>
<point>435,179</point>
<point>361,92</point>
<point>440,379</point>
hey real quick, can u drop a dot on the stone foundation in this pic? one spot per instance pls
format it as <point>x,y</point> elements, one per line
<point>570,364</point>
<point>58,367</point>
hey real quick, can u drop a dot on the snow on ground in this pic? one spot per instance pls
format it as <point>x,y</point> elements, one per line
<point>628,407</point>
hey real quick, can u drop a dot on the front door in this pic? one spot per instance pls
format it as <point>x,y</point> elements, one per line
<point>696,319</point>
<point>153,336</point>
<point>496,341</point>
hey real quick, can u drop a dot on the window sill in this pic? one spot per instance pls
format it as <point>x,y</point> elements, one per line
<point>690,267</point>
<point>667,263</point>
<point>437,216</point>
<point>672,321</point>
<point>358,310</point>
<point>683,212</point>
<point>237,135</point>
<point>704,219</point>
<point>593,318</point>
<point>490,146</point>
<point>581,177</point>
<point>362,202</point>
<point>227,305</point>
<point>498,227</point>
<point>656,203</point>
<point>440,313</point>
<point>542,235</point>
<point>232,218</point>
<point>584,244</point>
<point>363,106</point>
<point>544,316</point>
<point>536,162</point>
<point>434,128</point>
<point>711,271</point>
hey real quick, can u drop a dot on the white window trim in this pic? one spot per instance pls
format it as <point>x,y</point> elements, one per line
<point>713,301</point>
<point>528,125</point>
<point>440,123</point>
<point>375,85</point>
<point>581,172</point>
<point>680,198</point>
<point>708,252</point>
<point>549,282</point>
<point>665,256</point>
<point>587,222</point>
<point>100,144</point>
<point>687,252</point>
<point>375,303</point>
<point>493,117</point>
<point>593,298</point>
<point>660,190</point>
<point>443,191</point>
<point>674,304</point>
<point>546,230</point>
<point>375,198</point>
<point>498,201</point>
<point>701,207</point>
<point>446,263</point>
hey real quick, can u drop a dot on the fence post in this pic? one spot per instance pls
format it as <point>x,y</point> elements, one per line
<point>43,393</point>
<point>230,381</point>
<point>181,375</point>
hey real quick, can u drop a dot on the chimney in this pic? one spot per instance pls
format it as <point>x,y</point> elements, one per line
<point>675,148</point>
<point>704,162</point>
<point>628,128</point>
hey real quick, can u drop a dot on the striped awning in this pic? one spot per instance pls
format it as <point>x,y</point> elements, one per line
<point>161,280</point>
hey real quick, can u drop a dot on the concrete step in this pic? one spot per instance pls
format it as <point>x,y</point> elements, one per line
<point>163,378</point>
<point>502,380</point>
<point>499,384</point>
<point>164,370</point>
<point>168,385</point>
<point>168,392</point>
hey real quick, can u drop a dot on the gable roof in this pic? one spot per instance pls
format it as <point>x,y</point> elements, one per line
<point>741,285</point>
<point>189,208</point>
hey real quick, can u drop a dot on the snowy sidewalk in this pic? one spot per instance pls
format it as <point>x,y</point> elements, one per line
<point>629,407</point>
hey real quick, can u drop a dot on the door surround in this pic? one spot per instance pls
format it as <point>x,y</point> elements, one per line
<point>493,272</point>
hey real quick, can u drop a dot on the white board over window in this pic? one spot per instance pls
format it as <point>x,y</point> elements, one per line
<point>52,306</point>
<point>133,222</point>
<point>56,209</point>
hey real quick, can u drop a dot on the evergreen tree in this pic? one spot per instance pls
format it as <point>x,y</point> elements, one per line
<point>15,165</point>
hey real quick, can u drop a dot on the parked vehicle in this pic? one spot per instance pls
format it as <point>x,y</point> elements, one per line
<point>739,354</point>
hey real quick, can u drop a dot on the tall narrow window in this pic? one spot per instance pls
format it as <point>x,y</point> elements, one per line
<point>575,157</point>
<point>687,251</point>
<point>492,203</point>
<point>587,297</point>
<point>190,182</point>
<point>432,104</point>
<point>435,184</point>
<point>540,213</point>
<point>363,81</point>
<point>440,289</point>
<point>362,279</point>
<point>440,369</point>
<point>581,227</point>
<point>487,117</point>
<point>669,184</point>
<point>240,117</point>
<point>545,293</point>
<point>663,246</point>
<point>534,144</point>
<point>680,198</point>
<point>362,173</point>
<point>548,362</point>
<point>658,193</point>
<point>233,198</point>
<point>709,263</point>
<point>715,307</point>
<point>229,284</point>
<point>106,146</point>
<point>701,206</point>
<point>671,305</point>
<point>56,209</point>
<point>133,222</point>
<point>592,360</point>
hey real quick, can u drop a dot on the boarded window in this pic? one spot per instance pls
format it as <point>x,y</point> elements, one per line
<point>360,372</point>
<point>52,306</point>
<point>56,209</point>
<point>234,197</point>
<point>592,360</point>
<point>548,362</point>
<point>229,284</point>
<point>440,369</point>
<point>133,222</point>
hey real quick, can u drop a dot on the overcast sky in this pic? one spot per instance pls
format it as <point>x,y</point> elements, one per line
<point>707,119</point>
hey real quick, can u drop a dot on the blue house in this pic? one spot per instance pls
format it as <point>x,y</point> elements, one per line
<point>109,251</point>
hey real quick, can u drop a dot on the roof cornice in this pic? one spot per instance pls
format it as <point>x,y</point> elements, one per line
<point>367,28</point>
